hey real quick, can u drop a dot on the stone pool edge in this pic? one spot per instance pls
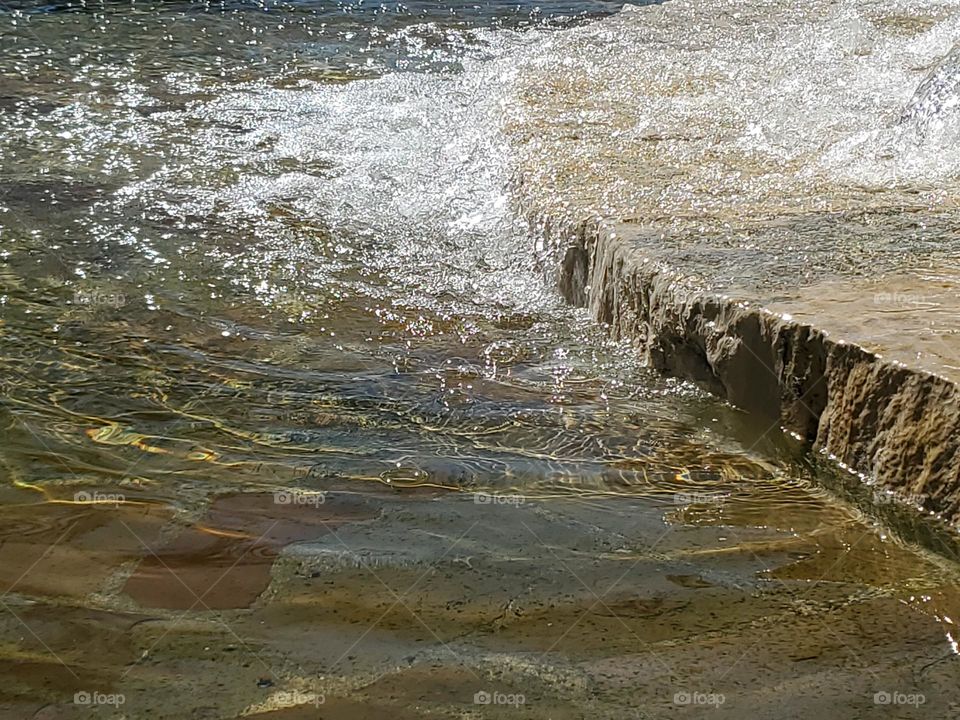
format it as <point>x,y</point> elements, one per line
<point>895,426</point>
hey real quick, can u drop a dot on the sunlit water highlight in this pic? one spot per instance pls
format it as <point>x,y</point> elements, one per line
<point>271,249</point>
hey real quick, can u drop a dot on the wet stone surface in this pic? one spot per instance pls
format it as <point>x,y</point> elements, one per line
<point>715,157</point>
<point>224,561</point>
<point>291,425</point>
<point>415,605</point>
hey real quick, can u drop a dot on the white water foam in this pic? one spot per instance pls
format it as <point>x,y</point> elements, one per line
<point>696,108</point>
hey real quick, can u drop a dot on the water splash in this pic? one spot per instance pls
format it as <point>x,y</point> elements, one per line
<point>933,109</point>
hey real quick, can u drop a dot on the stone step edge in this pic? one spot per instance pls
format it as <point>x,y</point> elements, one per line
<point>893,425</point>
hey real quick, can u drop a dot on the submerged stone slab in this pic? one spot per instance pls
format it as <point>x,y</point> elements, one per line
<point>225,561</point>
<point>732,188</point>
<point>70,549</point>
<point>609,606</point>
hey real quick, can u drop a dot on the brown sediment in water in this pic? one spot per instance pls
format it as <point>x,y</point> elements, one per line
<point>52,651</point>
<point>68,549</point>
<point>441,599</point>
<point>224,561</point>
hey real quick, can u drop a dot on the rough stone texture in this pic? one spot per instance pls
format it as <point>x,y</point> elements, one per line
<point>895,424</point>
<point>689,167</point>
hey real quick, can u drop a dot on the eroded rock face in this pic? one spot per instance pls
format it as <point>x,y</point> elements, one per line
<point>898,425</point>
<point>743,204</point>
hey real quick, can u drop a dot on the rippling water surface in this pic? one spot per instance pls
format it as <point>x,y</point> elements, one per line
<point>269,322</point>
<point>279,240</point>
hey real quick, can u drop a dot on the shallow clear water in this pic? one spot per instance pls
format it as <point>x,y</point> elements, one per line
<point>250,265</point>
<point>269,321</point>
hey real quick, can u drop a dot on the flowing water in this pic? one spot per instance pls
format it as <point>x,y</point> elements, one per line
<point>802,155</point>
<point>294,426</point>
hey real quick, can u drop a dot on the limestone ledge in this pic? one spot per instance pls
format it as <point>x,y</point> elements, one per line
<point>896,425</point>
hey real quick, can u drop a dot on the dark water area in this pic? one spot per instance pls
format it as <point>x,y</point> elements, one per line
<point>294,424</point>
<point>224,38</point>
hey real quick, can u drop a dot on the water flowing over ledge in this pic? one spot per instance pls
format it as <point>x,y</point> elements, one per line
<point>764,199</point>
